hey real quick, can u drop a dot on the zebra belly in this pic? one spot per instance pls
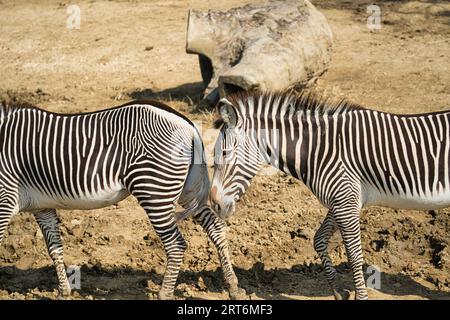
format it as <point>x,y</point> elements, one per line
<point>32,200</point>
<point>413,202</point>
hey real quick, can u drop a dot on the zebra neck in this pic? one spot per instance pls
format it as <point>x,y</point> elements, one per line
<point>296,143</point>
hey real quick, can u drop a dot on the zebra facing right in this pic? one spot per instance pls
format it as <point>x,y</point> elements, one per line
<point>52,161</point>
<point>350,157</point>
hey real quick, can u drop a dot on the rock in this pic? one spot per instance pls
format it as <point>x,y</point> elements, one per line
<point>78,231</point>
<point>268,47</point>
<point>201,284</point>
<point>377,245</point>
<point>75,222</point>
<point>300,233</point>
<point>25,262</point>
<point>253,296</point>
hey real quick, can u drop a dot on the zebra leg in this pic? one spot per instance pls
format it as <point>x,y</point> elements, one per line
<point>216,230</point>
<point>321,239</point>
<point>162,216</point>
<point>348,223</point>
<point>49,223</point>
<point>8,207</point>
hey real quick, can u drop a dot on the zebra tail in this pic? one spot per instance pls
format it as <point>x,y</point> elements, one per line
<point>196,187</point>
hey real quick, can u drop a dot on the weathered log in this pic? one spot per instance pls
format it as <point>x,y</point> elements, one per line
<point>267,47</point>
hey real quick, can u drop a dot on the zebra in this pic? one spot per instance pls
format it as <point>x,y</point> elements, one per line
<point>349,156</point>
<point>52,161</point>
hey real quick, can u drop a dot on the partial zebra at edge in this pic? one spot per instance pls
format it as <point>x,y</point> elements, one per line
<point>52,161</point>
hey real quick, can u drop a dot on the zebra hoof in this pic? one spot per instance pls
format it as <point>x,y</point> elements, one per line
<point>237,294</point>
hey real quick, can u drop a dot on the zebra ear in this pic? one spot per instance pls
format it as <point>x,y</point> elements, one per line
<point>228,113</point>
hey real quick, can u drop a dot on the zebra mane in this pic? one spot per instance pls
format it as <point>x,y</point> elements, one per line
<point>296,102</point>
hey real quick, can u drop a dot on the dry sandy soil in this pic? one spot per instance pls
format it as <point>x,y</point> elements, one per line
<point>132,49</point>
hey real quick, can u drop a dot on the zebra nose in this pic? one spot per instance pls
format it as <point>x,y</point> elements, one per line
<point>223,209</point>
<point>214,201</point>
<point>213,193</point>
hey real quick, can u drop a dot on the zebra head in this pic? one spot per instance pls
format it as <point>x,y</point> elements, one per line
<point>236,158</point>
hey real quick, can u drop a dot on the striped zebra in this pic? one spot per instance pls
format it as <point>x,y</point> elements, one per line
<point>350,157</point>
<point>52,161</point>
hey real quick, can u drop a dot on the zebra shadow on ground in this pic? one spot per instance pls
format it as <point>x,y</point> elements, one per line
<point>190,93</point>
<point>299,282</point>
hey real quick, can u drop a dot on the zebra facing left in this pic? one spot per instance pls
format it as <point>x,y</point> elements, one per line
<point>349,156</point>
<point>52,161</point>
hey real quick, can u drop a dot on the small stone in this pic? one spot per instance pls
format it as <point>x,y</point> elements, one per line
<point>25,263</point>
<point>75,222</point>
<point>78,231</point>
<point>201,284</point>
<point>253,296</point>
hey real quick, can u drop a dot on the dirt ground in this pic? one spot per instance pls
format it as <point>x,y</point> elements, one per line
<point>131,49</point>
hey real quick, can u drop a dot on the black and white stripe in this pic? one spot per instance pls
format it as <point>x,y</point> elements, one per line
<point>52,161</point>
<point>350,157</point>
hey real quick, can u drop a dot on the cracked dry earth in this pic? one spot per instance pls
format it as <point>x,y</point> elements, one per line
<point>132,49</point>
